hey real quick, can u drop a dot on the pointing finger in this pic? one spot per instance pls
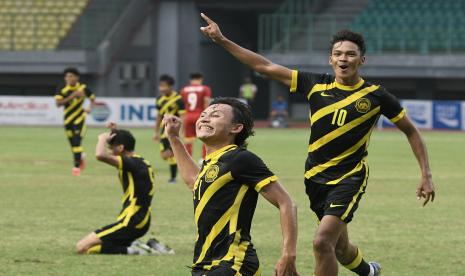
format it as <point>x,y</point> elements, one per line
<point>206,18</point>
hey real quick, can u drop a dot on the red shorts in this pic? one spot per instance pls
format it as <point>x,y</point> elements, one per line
<point>189,124</point>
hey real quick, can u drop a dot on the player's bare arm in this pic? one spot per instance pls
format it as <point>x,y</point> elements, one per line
<point>92,104</point>
<point>101,152</point>
<point>253,60</point>
<point>156,133</point>
<point>277,195</point>
<point>187,166</point>
<point>75,94</point>
<point>425,189</point>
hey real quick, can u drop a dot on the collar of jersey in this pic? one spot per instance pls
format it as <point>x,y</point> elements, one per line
<point>73,87</point>
<point>219,152</point>
<point>350,87</point>
<point>173,94</point>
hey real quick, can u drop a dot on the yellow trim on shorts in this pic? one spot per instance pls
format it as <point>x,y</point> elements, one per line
<point>354,198</point>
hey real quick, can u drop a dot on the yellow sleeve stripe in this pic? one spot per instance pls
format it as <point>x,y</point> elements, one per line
<point>398,117</point>
<point>294,81</point>
<point>265,182</point>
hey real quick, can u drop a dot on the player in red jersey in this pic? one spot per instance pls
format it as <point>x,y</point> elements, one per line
<point>196,98</point>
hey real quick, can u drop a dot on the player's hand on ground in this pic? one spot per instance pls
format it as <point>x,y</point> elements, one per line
<point>212,30</point>
<point>172,125</point>
<point>426,190</point>
<point>286,266</point>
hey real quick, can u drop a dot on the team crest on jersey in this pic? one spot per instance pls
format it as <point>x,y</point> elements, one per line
<point>363,105</point>
<point>212,173</point>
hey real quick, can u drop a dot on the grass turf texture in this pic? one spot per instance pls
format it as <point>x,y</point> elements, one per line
<point>44,210</point>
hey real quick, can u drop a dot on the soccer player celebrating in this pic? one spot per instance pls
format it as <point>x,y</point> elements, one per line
<point>344,110</point>
<point>225,191</point>
<point>196,98</point>
<point>72,97</point>
<point>169,102</point>
<point>137,179</point>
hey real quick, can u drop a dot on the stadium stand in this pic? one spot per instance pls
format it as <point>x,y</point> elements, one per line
<point>414,26</point>
<point>36,24</point>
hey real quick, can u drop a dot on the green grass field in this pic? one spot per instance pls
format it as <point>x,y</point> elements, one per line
<point>44,210</point>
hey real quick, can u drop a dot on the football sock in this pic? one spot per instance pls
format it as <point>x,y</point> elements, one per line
<point>173,167</point>
<point>77,154</point>
<point>358,265</point>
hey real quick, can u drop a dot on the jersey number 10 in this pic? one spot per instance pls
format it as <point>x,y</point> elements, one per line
<point>339,117</point>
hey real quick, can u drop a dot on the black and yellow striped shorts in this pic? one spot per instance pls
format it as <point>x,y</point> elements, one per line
<point>339,200</point>
<point>122,233</point>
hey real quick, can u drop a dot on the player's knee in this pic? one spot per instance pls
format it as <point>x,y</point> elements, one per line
<point>323,245</point>
<point>81,248</point>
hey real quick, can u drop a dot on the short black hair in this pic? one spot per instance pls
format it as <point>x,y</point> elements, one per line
<point>348,35</point>
<point>242,114</point>
<point>168,79</point>
<point>196,76</point>
<point>123,137</point>
<point>71,70</point>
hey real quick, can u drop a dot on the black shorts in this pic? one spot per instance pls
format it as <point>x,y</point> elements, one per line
<point>120,234</point>
<point>339,200</point>
<point>215,271</point>
<point>75,129</point>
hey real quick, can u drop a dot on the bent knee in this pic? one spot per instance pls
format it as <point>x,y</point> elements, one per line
<point>323,245</point>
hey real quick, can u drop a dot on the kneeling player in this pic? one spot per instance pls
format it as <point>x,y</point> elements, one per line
<point>226,190</point>
<point>137,178</point>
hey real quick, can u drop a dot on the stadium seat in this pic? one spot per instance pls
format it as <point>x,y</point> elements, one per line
<point>23,23</point>
<point>414,25</point>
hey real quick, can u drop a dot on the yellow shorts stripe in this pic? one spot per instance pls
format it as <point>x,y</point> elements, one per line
<point>354,198</point>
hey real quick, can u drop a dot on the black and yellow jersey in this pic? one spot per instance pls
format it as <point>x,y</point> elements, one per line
<point>172,105</point>
<point>137,180</point>
<point>342,119</point>
<point>74,112</point>
<point>225,196</point>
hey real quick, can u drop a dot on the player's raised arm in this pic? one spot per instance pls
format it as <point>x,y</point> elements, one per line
<point>253,60</point>
<point>187,166</point>
<point>102,153</point>
<point>425,188</point>
<point>278,196</point>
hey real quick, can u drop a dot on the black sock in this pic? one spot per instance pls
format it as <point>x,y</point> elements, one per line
<point>173,170</point>
<point>77,159</point>
<point>358,265</point>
